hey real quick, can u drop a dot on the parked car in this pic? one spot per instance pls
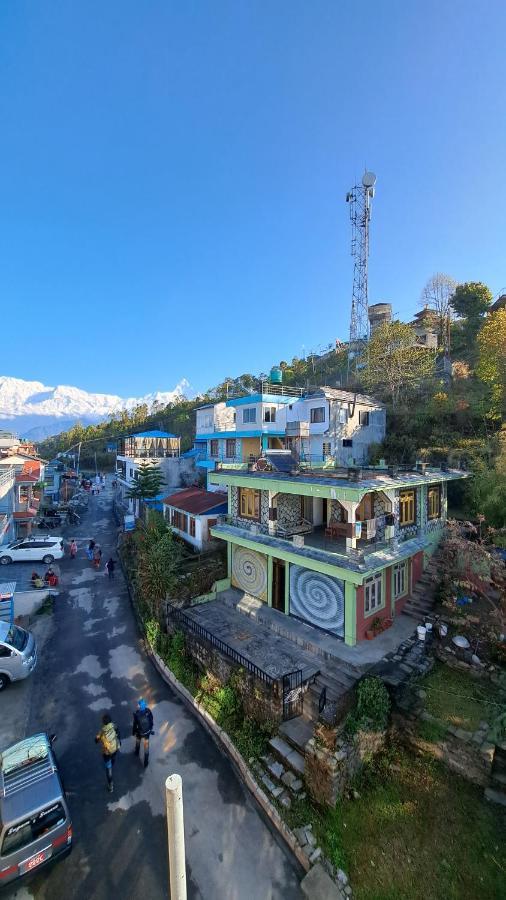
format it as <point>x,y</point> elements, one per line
<point>33,549</point>
<point>35,825</point>
<point>18,653</point>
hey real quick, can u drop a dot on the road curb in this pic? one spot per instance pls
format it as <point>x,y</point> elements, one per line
<point>222,738</point>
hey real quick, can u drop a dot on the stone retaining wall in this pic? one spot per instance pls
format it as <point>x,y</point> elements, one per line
<point>329,773</point>
<point>262,702</point>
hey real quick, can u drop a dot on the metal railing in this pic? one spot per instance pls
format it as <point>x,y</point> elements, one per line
<point>189,624</point>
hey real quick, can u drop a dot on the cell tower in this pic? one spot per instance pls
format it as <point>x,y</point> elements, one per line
<point>360,200</point>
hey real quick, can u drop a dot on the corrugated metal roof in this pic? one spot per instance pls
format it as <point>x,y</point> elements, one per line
<point>195,500</point>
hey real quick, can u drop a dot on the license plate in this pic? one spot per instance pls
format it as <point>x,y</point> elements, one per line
<point>35,861</point>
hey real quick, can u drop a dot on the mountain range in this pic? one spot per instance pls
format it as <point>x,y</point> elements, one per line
<point>35,411</point>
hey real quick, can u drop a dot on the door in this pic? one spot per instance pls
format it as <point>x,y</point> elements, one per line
<point>278,584</point>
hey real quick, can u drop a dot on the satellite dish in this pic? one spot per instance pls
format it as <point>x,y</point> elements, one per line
<point>369,179</point>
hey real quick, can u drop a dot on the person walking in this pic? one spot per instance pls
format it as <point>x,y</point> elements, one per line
<point>73,549</point>
<point>142,729</point>
<point>110,741</point>
<point>110,566</point>
<point>97,556</point>
<point>89,552</point>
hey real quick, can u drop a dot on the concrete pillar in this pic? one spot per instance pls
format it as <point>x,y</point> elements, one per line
<point>350,614</point>
<point>273,503</point>
<point>270,567</point>
<point>351,507</point>
<point>287,589</point>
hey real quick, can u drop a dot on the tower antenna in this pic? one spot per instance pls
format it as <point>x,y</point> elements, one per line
<point>360,201</point>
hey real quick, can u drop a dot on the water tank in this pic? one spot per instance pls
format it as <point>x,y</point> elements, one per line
<point>276,376</point>
<point>379,314</point>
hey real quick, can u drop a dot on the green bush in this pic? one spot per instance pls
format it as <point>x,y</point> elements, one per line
<point>373,706</point>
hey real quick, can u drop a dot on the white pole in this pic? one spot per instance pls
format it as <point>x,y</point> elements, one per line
<point>175,827</point>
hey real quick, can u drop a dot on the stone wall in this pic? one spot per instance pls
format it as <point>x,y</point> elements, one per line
<point>288,509</point>
<point>329,773</point>
<point>262,702</point>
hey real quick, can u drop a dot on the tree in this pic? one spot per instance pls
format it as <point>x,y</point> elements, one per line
<point>158,561</point>
<point>396,364</point>
<point>148,483</point>
<point>436,296</point>
<point>470,302</point>
<point>491,368</point>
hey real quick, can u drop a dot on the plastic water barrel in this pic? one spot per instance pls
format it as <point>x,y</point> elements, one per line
<point>276,376</point>
<point>421,632</point>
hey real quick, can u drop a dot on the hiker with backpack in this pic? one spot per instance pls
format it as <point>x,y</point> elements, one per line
<point>142,729</point>
<point>109,739</point>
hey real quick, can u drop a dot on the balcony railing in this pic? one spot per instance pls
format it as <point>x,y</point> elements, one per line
<point>148,454</point>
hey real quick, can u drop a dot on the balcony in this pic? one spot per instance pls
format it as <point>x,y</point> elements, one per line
<point>139,453</point>
<point>314,543</point>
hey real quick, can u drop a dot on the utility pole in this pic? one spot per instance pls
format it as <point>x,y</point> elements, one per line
<point>175,829</point>
<point>78,458</point>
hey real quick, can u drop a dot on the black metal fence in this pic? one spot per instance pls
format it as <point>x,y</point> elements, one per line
<point>189,624</point>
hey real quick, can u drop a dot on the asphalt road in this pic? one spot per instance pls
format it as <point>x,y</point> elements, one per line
<point>92,662</point>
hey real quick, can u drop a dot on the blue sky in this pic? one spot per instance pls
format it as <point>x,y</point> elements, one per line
<point>173,176</point>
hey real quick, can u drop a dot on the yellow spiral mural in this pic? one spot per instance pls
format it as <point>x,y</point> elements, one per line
<point>249,572</point>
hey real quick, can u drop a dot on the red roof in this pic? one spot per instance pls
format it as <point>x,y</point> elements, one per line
<point>32,467</point>
<point>25,478</point>
<point>195,500</point>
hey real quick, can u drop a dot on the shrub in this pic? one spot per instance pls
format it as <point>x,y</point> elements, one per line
<point>373,706</point>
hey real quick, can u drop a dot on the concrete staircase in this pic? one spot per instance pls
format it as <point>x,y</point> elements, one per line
<point>496,793</point>
<point>421,602</point>
<point>339,682</point>
<point>281,770</point>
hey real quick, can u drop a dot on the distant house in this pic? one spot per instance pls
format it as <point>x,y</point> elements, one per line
<point>159,447</point>
<point>192,512</point>
<point>7,504</point>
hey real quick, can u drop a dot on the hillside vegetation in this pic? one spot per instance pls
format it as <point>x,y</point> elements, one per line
<point>455,418</point>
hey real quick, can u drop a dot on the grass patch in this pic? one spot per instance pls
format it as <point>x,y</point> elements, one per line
<point>457,699</point>
<point>417,832</point>
<point>433,732</point>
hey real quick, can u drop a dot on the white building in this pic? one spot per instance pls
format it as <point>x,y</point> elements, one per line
<point>334,424</point>
<point>192,512</point>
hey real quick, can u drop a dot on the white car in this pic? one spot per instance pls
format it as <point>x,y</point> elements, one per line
<point>32,549</point>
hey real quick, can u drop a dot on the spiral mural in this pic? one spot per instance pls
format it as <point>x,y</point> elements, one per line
<point>249,572</point>
<point>318,599</point>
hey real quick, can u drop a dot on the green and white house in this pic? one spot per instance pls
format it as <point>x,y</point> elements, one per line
<point>337,548</point>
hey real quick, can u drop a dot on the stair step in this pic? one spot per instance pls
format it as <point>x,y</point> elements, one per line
<point>290,757</point>
<point>336,681</point>
<point>274,789</point>
<point>495,796</point>
<point>297,732</point>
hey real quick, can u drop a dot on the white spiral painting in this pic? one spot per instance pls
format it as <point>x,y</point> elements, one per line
<point>318,599</point>
<point>249,572</point>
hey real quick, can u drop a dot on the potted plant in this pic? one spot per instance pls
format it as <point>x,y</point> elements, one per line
<point>375,629</point>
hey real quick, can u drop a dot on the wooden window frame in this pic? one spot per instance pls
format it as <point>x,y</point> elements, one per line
<point>434,492</point>
<point>374,595</point>
<point>214,443</point>
<point>397,568</point>
<point>192,527</point>
<point>407,498</point>
<point>363,414</point>
<point>249,504</point>
<point>232,443</point>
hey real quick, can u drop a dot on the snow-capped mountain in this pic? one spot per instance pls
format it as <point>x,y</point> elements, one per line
<point>34,410</point>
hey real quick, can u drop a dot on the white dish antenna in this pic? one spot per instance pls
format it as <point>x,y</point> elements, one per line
<point>369,179</point>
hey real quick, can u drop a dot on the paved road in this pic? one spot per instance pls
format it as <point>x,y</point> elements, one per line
<point>93,662</point>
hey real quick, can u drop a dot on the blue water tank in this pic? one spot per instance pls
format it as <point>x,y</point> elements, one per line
<point>276,375</point>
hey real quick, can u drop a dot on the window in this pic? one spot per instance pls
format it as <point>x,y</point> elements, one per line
<point>407,508</point>
<point>249,415</point>
<point>318,414</point>
<point>131,473</point>
<point>230,448</point>
<point>24,493</point>
<point>434,503</point>
<point>208,420</point>
<point>25,832</point>
<point>214,448</point>
<point>347,442</point>
<point>400,579</point>
<point>372,594</point>
<point>342,416</point>
<point>192,526</point>
<point>326,449</point>
<point>363,418</point>
<point>249,503</point>
<point>179,520</point>
<point>269,414</point>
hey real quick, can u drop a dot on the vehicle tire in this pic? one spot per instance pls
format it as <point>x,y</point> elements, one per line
<point>4,682</point>
<point>5,560</point>
<point>48,559</point>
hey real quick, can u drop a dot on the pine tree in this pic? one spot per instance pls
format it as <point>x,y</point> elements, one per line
<point>148,483</point>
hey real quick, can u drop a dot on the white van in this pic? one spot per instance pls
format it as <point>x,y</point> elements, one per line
<point>32,549</point>
<point>18,653</point>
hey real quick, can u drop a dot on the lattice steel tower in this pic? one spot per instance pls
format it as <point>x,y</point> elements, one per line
<point>360,200</point>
